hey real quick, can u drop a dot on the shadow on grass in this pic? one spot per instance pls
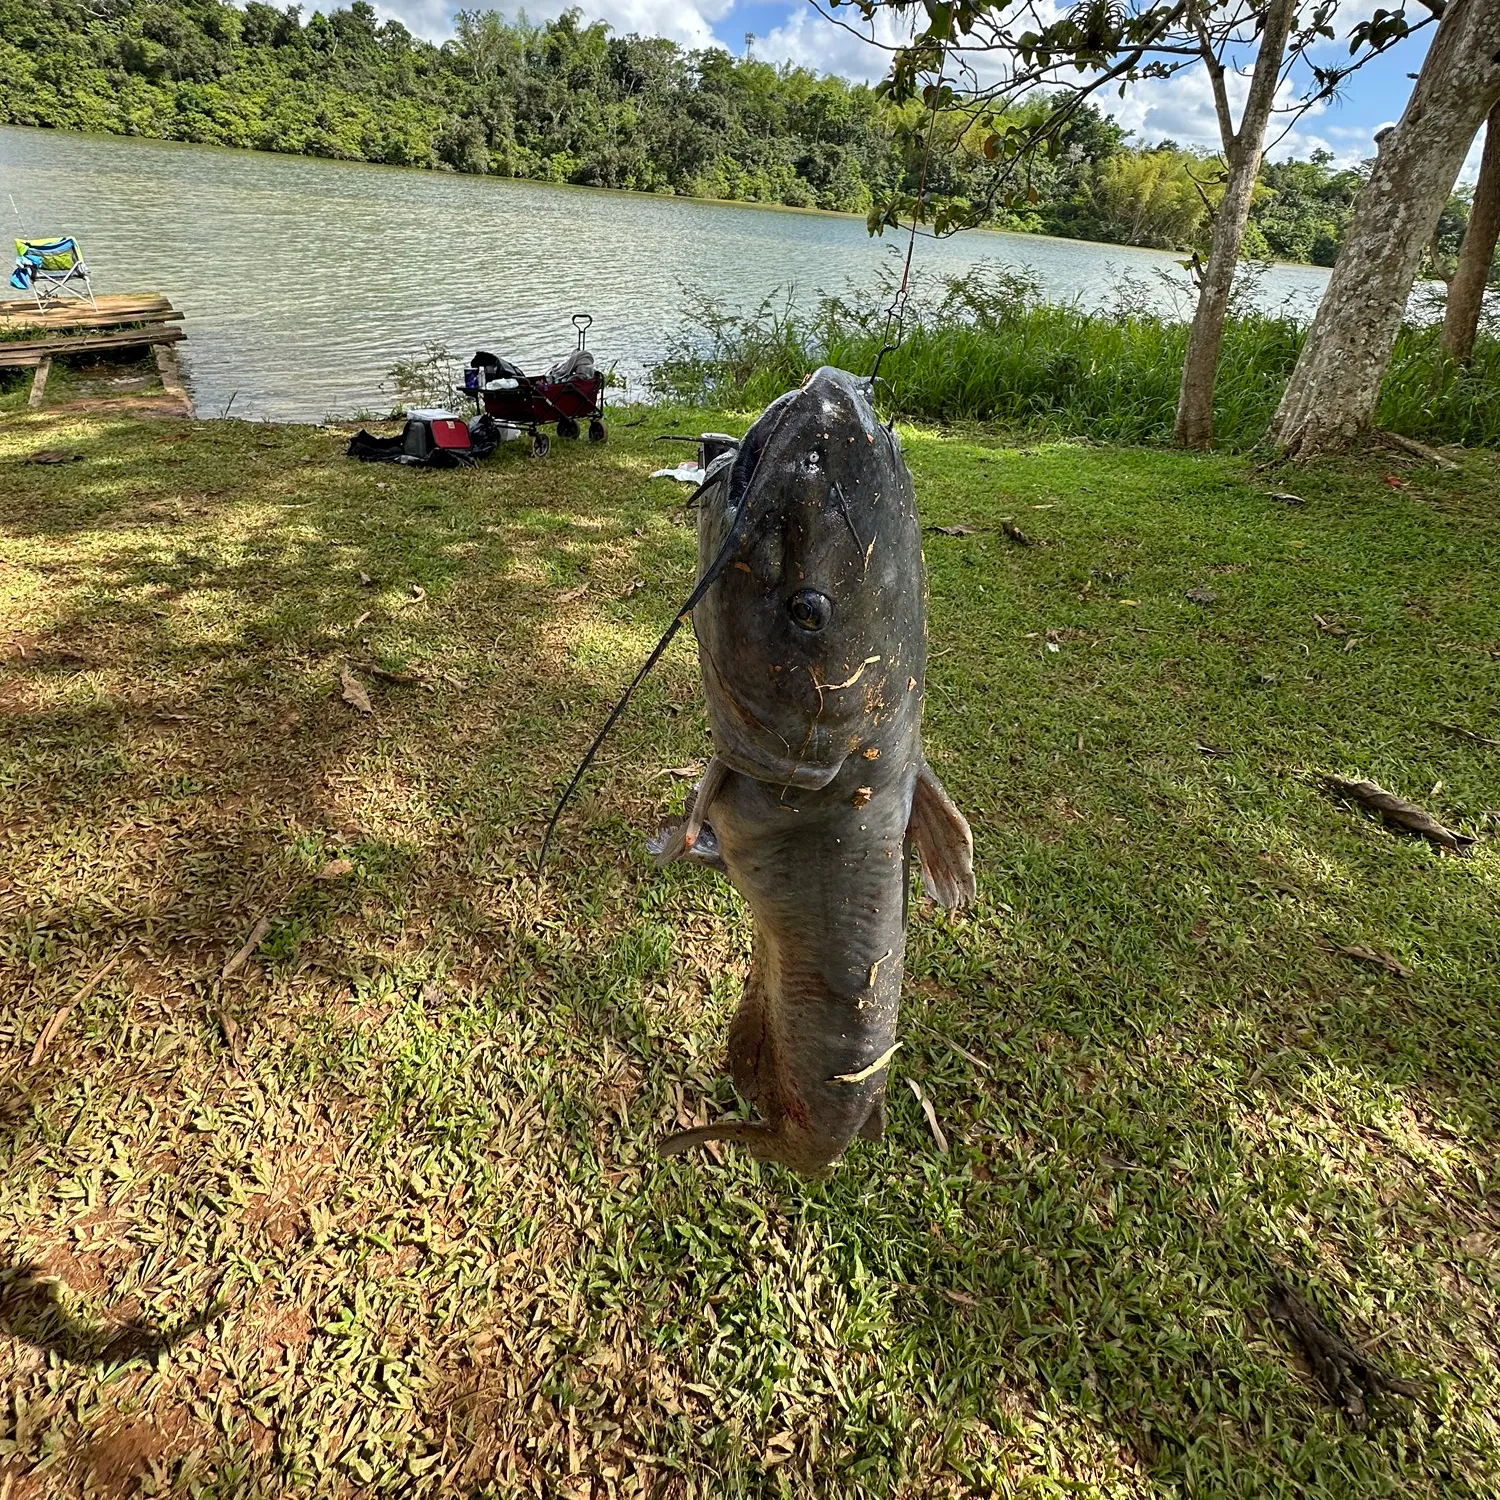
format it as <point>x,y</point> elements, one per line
<point>33,1309</point>
<point>1182,1091</point>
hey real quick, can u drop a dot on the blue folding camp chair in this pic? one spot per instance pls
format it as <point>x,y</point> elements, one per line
<point>51,269</point>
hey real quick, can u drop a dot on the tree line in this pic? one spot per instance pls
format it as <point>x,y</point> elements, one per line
<point>563,101</point>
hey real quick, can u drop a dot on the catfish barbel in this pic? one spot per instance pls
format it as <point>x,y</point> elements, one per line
<point>811,618</point>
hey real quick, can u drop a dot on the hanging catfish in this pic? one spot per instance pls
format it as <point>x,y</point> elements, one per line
<point>810,613</point>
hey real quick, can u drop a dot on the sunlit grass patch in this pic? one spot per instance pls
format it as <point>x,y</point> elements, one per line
<point>379,1210</point>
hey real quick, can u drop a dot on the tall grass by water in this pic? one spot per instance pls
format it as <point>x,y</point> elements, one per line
<point>986,347</point>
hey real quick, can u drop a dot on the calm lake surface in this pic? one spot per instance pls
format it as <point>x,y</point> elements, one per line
<point>303,280</point>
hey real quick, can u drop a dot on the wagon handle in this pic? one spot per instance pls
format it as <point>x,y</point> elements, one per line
<point>582,322</point>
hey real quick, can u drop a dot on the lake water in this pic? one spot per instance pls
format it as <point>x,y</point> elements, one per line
<point>303,280</point>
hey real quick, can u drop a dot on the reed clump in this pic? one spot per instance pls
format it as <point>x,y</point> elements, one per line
<point>986,347</point>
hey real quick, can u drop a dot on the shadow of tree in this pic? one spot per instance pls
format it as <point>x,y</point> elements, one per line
<point>35,1308</point>
<point>422,1113</point>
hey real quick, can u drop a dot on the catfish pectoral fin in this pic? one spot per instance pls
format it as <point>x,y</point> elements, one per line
<point>693,838</point>
<point>708,788</point>
<point>670,843</point>
<point>745,1131</point>
<point>943,841</point>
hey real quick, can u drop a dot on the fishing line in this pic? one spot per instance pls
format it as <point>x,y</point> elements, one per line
<point>726,550</point>
<point>739,526</point>
<point>895,314</point>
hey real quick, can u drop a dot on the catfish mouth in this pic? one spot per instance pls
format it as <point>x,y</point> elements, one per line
<point>748,750</point>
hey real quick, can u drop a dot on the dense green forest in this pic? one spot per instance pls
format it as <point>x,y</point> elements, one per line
<point>568,102</point>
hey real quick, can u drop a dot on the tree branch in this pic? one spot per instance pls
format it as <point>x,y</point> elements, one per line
<point>1215,68</point>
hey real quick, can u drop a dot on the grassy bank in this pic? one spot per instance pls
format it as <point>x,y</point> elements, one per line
<point>375,1209</point>
<point>987,348</point>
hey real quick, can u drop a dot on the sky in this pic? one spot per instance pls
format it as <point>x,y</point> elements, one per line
<point>1179,109</point>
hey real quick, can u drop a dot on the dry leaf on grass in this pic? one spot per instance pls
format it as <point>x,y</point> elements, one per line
<point>1376,956</point>
<point>1400,813</point>
<point>385,674</point>
<point>778,1450</point>
<point>1329,627</point>
<point>251,943</point>
<point>231,1029</point>
<point>569,596</point>
<point>365,580</point>
<point>932,1120</point>
<point>415,595</point>
<point>968,1056</point>
<point>336,869</point>
<point>1468,734</point>
<point>1202,595</point>
<point>633,587</point>
<point>953,530</point>
<point>54,456</point>
<point>1016,535</point>
<point>683,773</point>
<point>1282,497</point>
<point>959,1299</point>
<point>354,693</point>
<point>53,1026</point>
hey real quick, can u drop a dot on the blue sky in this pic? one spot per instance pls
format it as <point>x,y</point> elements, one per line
<point>1180,108</point>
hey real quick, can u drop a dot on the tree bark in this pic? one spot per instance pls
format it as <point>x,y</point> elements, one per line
<point>1466,289</point>
<point>1334,388</point>
<point>1194,426</point>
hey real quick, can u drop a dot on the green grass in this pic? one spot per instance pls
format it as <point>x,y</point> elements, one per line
<point>380,1213</point>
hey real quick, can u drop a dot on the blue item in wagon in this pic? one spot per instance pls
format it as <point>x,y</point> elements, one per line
<point>489,372</point>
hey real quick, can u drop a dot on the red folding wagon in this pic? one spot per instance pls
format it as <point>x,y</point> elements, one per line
<point>569,394</point>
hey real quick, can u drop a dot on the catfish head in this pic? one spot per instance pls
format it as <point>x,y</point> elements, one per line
<point>812,642</point>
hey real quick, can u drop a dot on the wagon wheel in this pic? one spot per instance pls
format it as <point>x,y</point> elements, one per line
<point>541,445</point>
<point>567,428</point>
<point>597,430</point>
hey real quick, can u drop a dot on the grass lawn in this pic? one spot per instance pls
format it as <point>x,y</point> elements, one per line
<point>376,1210</point>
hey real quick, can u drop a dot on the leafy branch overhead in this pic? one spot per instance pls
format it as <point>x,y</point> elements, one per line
<point>980,63</point>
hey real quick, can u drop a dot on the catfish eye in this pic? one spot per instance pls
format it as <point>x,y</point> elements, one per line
<point>810,610</point>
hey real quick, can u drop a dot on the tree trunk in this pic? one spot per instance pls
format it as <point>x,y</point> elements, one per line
<point>1334,388</point>
<point>1194,427</point>
<point>1466,289</point>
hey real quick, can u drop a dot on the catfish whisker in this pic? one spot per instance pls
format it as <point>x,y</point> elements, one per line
<point>843,505</point>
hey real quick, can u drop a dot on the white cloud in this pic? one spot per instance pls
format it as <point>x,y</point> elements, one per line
<point>862,49</point>
<point>1180,108</point>
<point>1469,172</point>
<point>808,40</point>
<point>691,24</point>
